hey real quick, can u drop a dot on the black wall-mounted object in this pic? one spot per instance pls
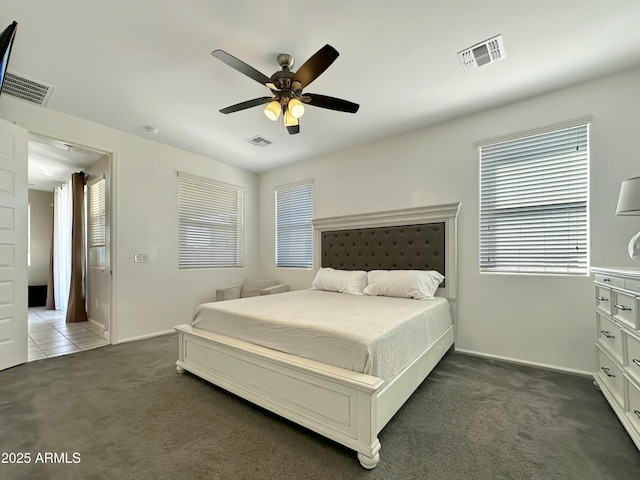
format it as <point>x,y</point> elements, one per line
<point>6,42</point>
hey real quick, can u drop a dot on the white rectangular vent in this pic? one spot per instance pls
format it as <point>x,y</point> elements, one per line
<point>482,54</point>
<point>27,89</point>
<point>259,141</point>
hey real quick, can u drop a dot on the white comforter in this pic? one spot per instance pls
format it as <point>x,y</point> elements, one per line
<point>378,336</point>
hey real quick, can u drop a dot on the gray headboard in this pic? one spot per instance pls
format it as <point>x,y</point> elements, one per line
<point>404,247</point>
<point>407,239</point>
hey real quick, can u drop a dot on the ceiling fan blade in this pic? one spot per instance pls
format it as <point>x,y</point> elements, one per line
<point>242,67</point>
<point>313,68</point>
<point>293,129</point>
<point>332,103</point>
<point>248,104</point>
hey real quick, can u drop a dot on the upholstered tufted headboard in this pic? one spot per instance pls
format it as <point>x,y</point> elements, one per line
<point>408,239</point>
<point>405,247</point>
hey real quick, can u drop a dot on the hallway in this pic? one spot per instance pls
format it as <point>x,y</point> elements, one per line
<point>51,336</point>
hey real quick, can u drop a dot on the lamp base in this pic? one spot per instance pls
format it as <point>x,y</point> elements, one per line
<point>634,248</point>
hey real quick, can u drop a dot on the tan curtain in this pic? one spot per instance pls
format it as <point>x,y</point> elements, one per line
<point>76,310</point>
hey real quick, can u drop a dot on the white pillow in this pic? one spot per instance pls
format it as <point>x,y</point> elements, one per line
<point>418,284</point>
<point>343,281</point>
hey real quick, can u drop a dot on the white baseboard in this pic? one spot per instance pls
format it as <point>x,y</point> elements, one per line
<point>143,337</point>
<point>525,362</point>
<point>105,333</point>
<point>97,324</point>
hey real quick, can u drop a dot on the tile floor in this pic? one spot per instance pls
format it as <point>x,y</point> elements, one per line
<point>51,336</point>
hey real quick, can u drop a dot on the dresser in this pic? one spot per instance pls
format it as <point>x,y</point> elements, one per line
<point>617,305</point>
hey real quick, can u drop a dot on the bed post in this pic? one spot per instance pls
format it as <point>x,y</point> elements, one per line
<point>368,456</point>
<point>369,462</point>
<point>179,369</point>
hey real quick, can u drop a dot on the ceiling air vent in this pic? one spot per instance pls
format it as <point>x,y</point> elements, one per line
<point>27,89</point>
<point>259,141</point>
<point>482,54</point>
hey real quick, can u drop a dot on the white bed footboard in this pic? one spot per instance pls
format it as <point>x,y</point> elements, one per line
<point>348,407</point>
<point>336,403</point>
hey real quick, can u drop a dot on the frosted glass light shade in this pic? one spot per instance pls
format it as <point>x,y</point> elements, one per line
<point>296,107</point>
<point>272,110</point>
<point>289,120</point>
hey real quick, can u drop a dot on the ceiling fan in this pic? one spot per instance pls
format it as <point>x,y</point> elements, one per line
<point>286,87</point>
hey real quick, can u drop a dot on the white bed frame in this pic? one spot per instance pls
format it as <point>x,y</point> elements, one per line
<point>348,407</point>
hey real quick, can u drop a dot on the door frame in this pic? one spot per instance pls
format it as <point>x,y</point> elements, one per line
<point>111,204</point>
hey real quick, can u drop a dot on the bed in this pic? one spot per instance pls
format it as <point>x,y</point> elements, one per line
<point>351,399</point>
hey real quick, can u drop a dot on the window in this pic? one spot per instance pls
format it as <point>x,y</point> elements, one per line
<point>533,203</point>
<point>96,229</point>
<point>294,228</point>
<point>211,223</point>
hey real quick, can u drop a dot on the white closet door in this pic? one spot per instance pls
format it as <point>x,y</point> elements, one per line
<point>13,245</point>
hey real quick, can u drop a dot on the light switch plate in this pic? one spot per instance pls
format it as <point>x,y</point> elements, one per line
<point>141,257</point>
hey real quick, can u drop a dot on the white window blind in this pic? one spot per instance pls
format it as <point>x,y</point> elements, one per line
<point>211,223</point>
<point>533,203</point>
<point>294,228</point>
<point>97,231</point>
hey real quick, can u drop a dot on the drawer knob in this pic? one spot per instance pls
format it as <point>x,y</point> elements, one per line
<point>622,307</point>
<point>605,279</point>
<point>607,334</point>
<point>637,412</point>
<point>602,299</point>
<point>606,372</point>
<point>636,361</point>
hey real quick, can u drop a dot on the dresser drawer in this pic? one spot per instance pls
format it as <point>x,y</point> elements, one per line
<point>632,360</point>
<point>610,280</point>
<point>610,373</point>
<point>603,299</point>
<point>610,337</point>
<point>633,285</point>
<point>623,308</point>
<point>633,412</point>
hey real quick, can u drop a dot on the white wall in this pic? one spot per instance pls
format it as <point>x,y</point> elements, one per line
<point>544,320</point>
<point>538,319</point>
<point>41,227</point>
<point>153,297</point>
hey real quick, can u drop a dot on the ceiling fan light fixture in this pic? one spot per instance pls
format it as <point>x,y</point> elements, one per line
<point>273,110</point>
<point>289,119</point>
<point>296,107</point>
<point>286,87</point>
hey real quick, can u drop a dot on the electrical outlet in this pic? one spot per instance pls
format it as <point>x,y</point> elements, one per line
<point>141,257</point>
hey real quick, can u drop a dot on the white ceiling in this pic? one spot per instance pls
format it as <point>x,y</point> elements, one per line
<point>131,63</point>
<point>51,162</point>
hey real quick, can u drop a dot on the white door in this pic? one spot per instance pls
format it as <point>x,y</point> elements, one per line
<point>13,245</point>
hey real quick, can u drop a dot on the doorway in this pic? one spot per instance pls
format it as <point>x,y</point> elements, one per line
<point>50,163</point>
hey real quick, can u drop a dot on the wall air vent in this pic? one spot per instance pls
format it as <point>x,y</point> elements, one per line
<point>482,54</point>
<point>27,89</point>
<point>259,141</point>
